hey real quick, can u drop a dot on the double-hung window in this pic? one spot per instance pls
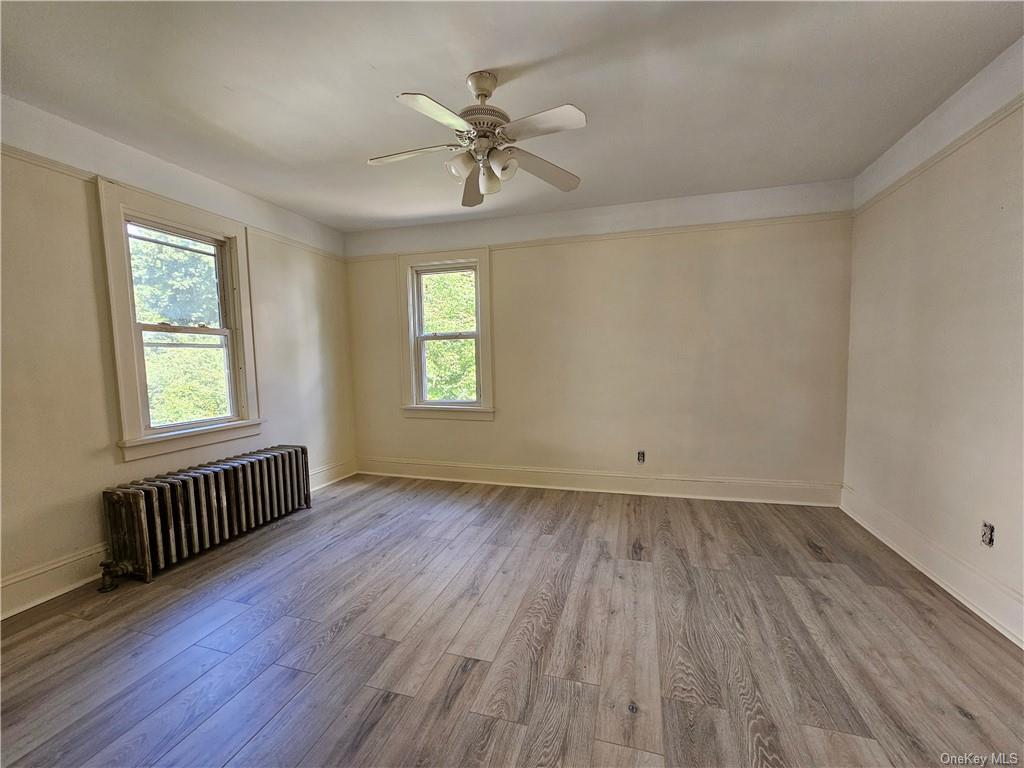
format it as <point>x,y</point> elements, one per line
<point>447,336</point>
<point>448,351</point>
<point>179,294</point>
<point>181,327</point>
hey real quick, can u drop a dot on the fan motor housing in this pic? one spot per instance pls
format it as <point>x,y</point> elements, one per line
<point>484,118</point>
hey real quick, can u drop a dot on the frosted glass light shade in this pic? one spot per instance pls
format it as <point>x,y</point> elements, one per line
<point>460,166</point>
<point>502,163</point>
<point>489,182</point>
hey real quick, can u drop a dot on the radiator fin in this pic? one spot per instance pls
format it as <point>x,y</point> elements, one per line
<point>159,521</point>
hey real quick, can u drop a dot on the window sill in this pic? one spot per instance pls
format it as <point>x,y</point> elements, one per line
<point>464,412</point>
<point>183,439</point>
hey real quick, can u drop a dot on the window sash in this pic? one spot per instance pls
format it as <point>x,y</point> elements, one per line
<point>421,364</point>
<point>419,273</point>
<point>170,229</point>
<point>448,335</point>
<point>179,246</point>
<point>232,377</point>
<point>226,331</point>
<point>218,261</point>
<point>419,337</point>
<point>200,330</point>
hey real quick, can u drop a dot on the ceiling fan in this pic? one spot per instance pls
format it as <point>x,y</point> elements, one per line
<point>485,138</point>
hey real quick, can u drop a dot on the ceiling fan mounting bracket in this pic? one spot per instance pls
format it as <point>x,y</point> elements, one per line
<point>482,84</point>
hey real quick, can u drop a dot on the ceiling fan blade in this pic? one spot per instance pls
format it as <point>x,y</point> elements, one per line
<point>545,171</point>
<point>471,195</point>
<point>563,118</point>
<point>383,159</point>
<point>439,112</point>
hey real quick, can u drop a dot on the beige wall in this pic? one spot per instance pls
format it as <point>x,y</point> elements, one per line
<point>933,442</point>
<point>60,413</point>
<point>720,351</point>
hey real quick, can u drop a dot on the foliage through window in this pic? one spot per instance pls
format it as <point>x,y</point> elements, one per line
<point>179,318</point>
<point>447,335</point>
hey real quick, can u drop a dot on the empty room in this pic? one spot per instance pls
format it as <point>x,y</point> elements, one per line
<point>512,384</point>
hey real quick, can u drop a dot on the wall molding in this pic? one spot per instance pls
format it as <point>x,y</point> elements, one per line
<point>329,474</point>
<point>1008,110</point>
<point>292,242</point>
<point>68,144</point>
<point>37,570</point>
<point>35,585</point>
<point>721,488</point>
<point>996,603</point>
<point>50,164</point>
<point>825,197</point>
<point>988,92</point>
<point>631,234</point>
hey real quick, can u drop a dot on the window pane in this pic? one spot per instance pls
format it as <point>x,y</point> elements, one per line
<point>186,377</point>
<point>449,301</point>
<point>175,280</point>
<point>450,366</point>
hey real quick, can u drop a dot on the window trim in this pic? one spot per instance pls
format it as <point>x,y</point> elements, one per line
<point>120,205</point>
<point>410,267</point>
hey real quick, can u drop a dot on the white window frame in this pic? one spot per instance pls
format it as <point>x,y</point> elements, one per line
<point>119,206</point>
<point>410,267</point>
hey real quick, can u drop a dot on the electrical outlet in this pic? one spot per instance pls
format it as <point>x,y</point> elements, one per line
<point>640,457</point>
<point>988,533</point>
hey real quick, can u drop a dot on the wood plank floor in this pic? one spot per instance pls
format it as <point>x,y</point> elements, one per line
<point>420,623</point>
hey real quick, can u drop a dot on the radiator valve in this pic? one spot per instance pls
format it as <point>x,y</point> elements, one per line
<point>111,570</point>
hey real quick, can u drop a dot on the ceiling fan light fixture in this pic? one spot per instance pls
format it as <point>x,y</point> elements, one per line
<point>489,181</point>
<point>460,166</point>
<point>482,160</point>
<point>503,163</point>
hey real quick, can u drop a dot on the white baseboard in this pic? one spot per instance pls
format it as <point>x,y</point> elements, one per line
<point>32,586</point>
<point>28,588</point>
<point>724,488</point>
<point>994,602</point>
<point>329,474</point>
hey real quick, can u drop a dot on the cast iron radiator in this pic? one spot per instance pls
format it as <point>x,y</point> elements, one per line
<point>159,521</point>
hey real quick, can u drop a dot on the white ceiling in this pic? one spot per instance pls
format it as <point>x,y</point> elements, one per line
<point>287,100</point>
